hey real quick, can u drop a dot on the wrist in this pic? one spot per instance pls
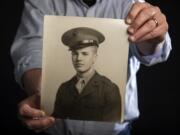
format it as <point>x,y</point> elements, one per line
<point>149,48</point>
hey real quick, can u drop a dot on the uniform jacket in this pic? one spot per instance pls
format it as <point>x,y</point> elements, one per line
<point>99,101</point>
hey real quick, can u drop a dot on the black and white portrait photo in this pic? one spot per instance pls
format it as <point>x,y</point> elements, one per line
<point>83,74</point>
<point>88,95</point>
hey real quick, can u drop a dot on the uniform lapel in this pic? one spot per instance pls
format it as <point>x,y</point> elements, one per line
<point>91,86</point>
<point>72,87</point>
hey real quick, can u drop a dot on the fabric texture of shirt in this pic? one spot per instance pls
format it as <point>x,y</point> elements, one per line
<point>26,50</point>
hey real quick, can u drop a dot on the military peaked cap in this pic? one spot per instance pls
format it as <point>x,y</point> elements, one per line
<point>81,37</point>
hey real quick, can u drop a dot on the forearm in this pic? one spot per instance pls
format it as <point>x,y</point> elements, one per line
<point>31,80</point>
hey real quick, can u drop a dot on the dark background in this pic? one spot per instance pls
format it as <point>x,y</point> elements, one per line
<point>158,85</point>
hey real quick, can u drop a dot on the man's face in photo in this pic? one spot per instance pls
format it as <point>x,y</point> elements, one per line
<point>83,59</point>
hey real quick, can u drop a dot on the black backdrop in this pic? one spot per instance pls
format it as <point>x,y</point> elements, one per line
<point>158,85</point>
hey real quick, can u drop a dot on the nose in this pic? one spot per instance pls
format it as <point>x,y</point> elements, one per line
<point>79,57</point>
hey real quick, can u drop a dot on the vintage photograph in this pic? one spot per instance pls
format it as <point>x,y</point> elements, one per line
<point>84,68</point>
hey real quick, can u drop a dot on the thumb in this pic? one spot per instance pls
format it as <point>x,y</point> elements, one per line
<point>30,112</point>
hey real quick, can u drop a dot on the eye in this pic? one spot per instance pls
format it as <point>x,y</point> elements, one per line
<point>85,53</point>
<point>74,53</point>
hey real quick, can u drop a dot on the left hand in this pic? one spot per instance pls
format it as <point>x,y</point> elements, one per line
<point>147,23</point>
<point>33,117</point>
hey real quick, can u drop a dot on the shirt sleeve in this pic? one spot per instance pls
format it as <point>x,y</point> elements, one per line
<point>26,50</point>
<point>158,56</point>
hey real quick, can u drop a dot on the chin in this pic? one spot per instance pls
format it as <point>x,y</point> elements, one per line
<point>80,70</point>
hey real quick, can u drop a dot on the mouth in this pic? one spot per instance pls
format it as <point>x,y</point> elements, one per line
<point>79,65</point>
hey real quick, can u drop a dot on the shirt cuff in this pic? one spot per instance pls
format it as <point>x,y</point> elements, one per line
<point>160,55</point>
<point>28,62</point>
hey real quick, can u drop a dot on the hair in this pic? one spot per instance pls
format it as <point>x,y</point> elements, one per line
<point>95,49</point>
<point>94,46</point>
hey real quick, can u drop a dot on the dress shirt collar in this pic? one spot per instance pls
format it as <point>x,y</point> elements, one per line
<point>86,76</point>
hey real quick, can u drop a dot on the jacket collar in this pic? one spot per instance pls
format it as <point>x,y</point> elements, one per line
<point>92,85</point>
<point>86,77</point>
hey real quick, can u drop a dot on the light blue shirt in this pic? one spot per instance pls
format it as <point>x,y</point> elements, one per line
<point>26,52</point>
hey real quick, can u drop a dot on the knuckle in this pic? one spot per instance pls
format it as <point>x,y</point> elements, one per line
<point>52,121</point>
<point>157,9</point>
<point>146,12</point>
<point>164,17</point>
<point>138,5</point>
<point>150,24</point>
<point>131,15</point>
<point>21,111</point>
<point>145,4</point>
<point>136,24</point>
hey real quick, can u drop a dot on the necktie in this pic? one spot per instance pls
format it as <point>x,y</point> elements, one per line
<point>80,85</point>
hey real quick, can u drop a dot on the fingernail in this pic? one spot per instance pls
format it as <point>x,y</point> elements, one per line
<point>132,38</point>
<point>43,113</point>
<point>128,20</point>
<point>52,119</point>
<point>131,30</point>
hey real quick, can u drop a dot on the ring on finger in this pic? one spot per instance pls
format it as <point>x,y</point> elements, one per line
<point>155,21</point>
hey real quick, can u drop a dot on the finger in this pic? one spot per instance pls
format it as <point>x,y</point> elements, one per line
<point>157,34</point>
<point>34,100</point>
<point>145,29</point>
<point>28,112</point>
<point>144,15</point>
<point>39,124</point>
<point>134,11</point>
<point>146,33</point>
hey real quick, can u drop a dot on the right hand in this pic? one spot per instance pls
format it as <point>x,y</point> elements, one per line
<point>29,109</point>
